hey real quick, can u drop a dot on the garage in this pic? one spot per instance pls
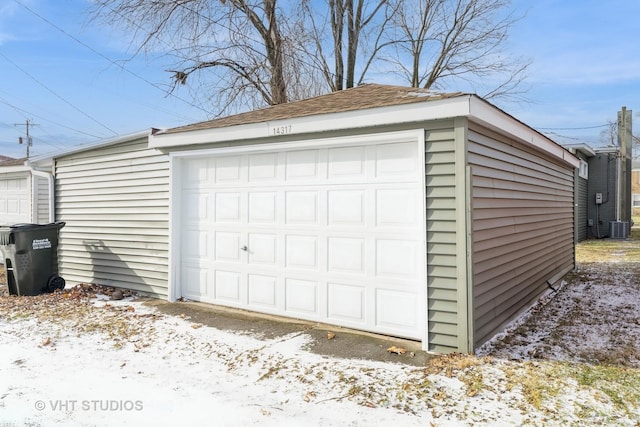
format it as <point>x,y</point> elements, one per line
<point>395,210</point>
<point>15,194</point>
<point>331,230</point>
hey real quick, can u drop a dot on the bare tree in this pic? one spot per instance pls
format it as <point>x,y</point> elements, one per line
<point>240,43</point>
<point>243,54</point>
<point>609,136</point>
<point>357,31</point>
<point>440,41</point>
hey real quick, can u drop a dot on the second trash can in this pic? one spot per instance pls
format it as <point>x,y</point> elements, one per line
<point>30,256</point>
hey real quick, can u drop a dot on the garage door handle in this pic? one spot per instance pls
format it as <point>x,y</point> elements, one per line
<point>244,248</point>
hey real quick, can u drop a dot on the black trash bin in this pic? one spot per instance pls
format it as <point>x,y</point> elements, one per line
<point>30,256</point>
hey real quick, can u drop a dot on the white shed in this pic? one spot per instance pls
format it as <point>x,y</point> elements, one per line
<point>24,193</point>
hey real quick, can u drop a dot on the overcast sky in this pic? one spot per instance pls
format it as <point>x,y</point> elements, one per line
<point>68,76</point>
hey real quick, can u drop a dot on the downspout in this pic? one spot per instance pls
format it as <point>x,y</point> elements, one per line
<point>50,183</point>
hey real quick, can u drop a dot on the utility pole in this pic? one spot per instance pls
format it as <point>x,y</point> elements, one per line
<point>625,141</point>
<point>29,140</point>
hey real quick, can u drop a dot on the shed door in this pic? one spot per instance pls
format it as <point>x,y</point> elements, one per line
<point>15,206</point>
<point>330,234</point>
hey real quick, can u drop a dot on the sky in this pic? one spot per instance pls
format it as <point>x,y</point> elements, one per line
<point>76,81</point>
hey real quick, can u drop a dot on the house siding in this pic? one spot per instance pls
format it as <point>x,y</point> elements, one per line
<point>523,227</point>
<point>41,200</point>
<point>115,202</point>
<point>581,208</point>
<point>443,260</point>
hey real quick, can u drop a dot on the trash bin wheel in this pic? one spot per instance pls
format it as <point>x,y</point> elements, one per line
<point>55,282</point>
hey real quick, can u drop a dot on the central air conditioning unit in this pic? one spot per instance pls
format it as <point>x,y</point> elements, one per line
<point>618,230</point>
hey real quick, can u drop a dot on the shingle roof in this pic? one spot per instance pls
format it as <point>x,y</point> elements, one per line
<point>9,161</point>
<point>357,98</point>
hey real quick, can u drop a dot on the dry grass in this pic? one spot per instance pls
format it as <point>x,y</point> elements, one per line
<point>610,250</point>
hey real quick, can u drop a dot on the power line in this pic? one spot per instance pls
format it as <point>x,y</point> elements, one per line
<point>56,95</point>
<point>578,128</point>
<point>27,113</point>
<point>107,58</point>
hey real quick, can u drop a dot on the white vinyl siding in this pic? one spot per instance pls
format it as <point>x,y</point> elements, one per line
<point>115,202</point>
<point>522,227</point>
<point>41,200</point>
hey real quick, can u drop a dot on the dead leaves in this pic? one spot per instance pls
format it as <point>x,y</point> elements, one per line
<point>45,342</point>
<point>397,350</point>
<point>330,335</point>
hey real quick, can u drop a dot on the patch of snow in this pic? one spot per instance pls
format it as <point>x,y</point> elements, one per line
<point>165,371</point>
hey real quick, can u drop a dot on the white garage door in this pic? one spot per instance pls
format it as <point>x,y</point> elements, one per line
<point>15,207</point>
<point>334,234</point>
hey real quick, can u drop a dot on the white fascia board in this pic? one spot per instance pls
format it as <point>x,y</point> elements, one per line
<point>493,118</point>
<point>583,148</point>
<point>14,169</point>
<point>608,149</point>
<point>405,113</point>
<point>89,146</point>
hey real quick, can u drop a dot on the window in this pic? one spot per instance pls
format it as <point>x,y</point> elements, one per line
<point>584,169</point>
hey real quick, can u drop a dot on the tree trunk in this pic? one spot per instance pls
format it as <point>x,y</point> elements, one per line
<point>273,43</point>
<point>337,27</point>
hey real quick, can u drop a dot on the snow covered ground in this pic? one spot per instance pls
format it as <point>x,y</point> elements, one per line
<point>80,359</point>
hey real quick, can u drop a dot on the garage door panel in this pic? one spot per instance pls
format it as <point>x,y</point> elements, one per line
<point>346,207</point>
<point>263,291</point>
<point>346,162</point>
<point>227,207</point>
<point>263,167</point>
<point>301,297</point>
<point>302,252</point>
<point>195,206</point>
<point>346,302</point>
<point>396,258</point>
<point>196,281</point>
<point>197,173</point>
<point>346,255</point>
<point>396,207</point>
<point>228,170</point>
<point>396,310</point>
<point>263,249</point>
<point>262,207</point>
<point>227,246</point>
<point>227,286</point>
<point>396,160</point>
<point>195,243</point>
<point>302,165</point>
<point>301,207</point>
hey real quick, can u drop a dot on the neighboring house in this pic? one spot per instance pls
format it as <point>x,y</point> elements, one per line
<point>24,193</point>
<point>604,188</point>
<point>635,186</point>
<point>435,217</point>
<point>583,224</point>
